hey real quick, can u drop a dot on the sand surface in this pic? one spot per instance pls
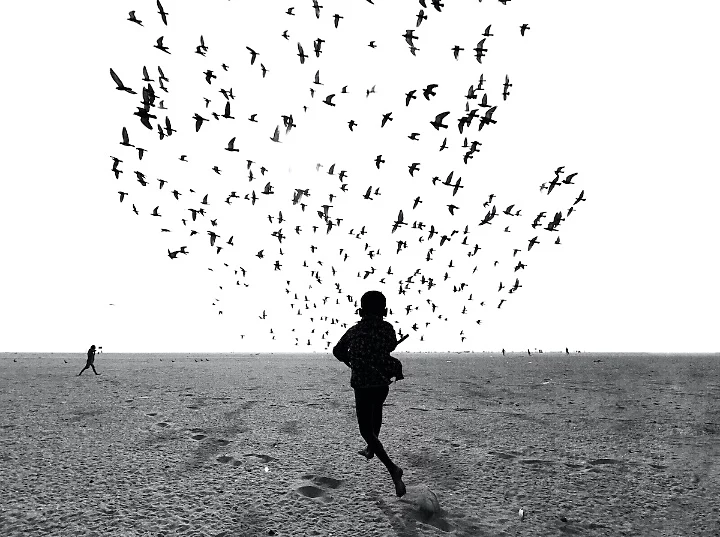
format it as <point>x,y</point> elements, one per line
<point>245,445</point>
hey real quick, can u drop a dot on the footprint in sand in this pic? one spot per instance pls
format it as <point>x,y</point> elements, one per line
<point>193,407</point>
<point>318,489</point>
<point>224,458</point>
<point>502,455</point>
<point>152,414</point>
<point>262,458</point>
<point>595,462</point>
<point>162,424</point>
<point>198,434</point>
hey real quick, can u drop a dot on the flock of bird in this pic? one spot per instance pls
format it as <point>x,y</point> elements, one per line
<point>318,216</point>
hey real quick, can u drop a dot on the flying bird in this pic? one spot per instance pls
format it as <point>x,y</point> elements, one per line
<point>437,123</point>
<point>119,83</point>
<point>198,121</point>
<point>301,54</point>
<point>276,137</point>
<point>134,19</point>
<point>231,145</point>
<point>159,45</point>
<point>125,139</point>
<point>429,90</point>
<point>399,222</point>
<point>163,13</point>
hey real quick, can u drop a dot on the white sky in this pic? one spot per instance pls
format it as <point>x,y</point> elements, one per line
<point>622,93</point>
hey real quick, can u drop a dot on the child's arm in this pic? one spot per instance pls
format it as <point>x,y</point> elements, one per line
<point>401,340</point>
<point>340,351</point>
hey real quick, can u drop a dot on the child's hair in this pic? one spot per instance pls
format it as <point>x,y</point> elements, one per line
<point>372,303</point>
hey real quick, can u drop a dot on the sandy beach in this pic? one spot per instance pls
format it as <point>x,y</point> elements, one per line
<point>246,445</point>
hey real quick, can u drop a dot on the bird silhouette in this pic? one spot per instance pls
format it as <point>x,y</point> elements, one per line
<point>160,46</point>
<point>119,83</point>
<point>134,19</point>
<point>162,12</point>
<point>437,122</point>
<point>276,137</point>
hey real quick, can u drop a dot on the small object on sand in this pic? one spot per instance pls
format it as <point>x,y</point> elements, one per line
<point>521,513</point>
<point>423,500</point>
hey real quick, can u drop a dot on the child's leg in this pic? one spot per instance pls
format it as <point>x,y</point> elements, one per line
<point>382,394</point>
<point>365,400</point>
<point>93,368</point>
<point>364,411</point>
<point>83,369</point>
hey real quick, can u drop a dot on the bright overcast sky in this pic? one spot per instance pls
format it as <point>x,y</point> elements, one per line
<point>622,94</point>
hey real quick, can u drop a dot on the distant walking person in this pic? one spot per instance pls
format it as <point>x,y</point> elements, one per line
<point>90,361</point>
<point>365,348</point>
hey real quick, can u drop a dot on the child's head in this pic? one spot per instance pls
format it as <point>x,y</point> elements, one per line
<point>372,304</point>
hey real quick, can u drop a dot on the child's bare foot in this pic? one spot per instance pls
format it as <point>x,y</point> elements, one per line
<point>366,453</point>
<point>397,480</point>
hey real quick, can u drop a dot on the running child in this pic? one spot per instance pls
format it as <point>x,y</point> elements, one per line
<point>365,348</point>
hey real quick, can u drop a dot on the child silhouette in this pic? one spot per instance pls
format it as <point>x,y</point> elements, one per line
<point>90,361</point>
<point>365,348</point>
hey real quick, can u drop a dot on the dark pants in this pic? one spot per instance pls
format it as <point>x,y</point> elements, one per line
<point>88,365</point>
<point>368,408</point>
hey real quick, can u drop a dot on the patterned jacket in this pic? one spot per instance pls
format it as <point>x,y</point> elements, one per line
<point>366,348</point>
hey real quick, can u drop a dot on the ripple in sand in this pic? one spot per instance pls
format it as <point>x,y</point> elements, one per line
<point>193,407</point>
<point>151,414</point>
<point>536,461</point>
